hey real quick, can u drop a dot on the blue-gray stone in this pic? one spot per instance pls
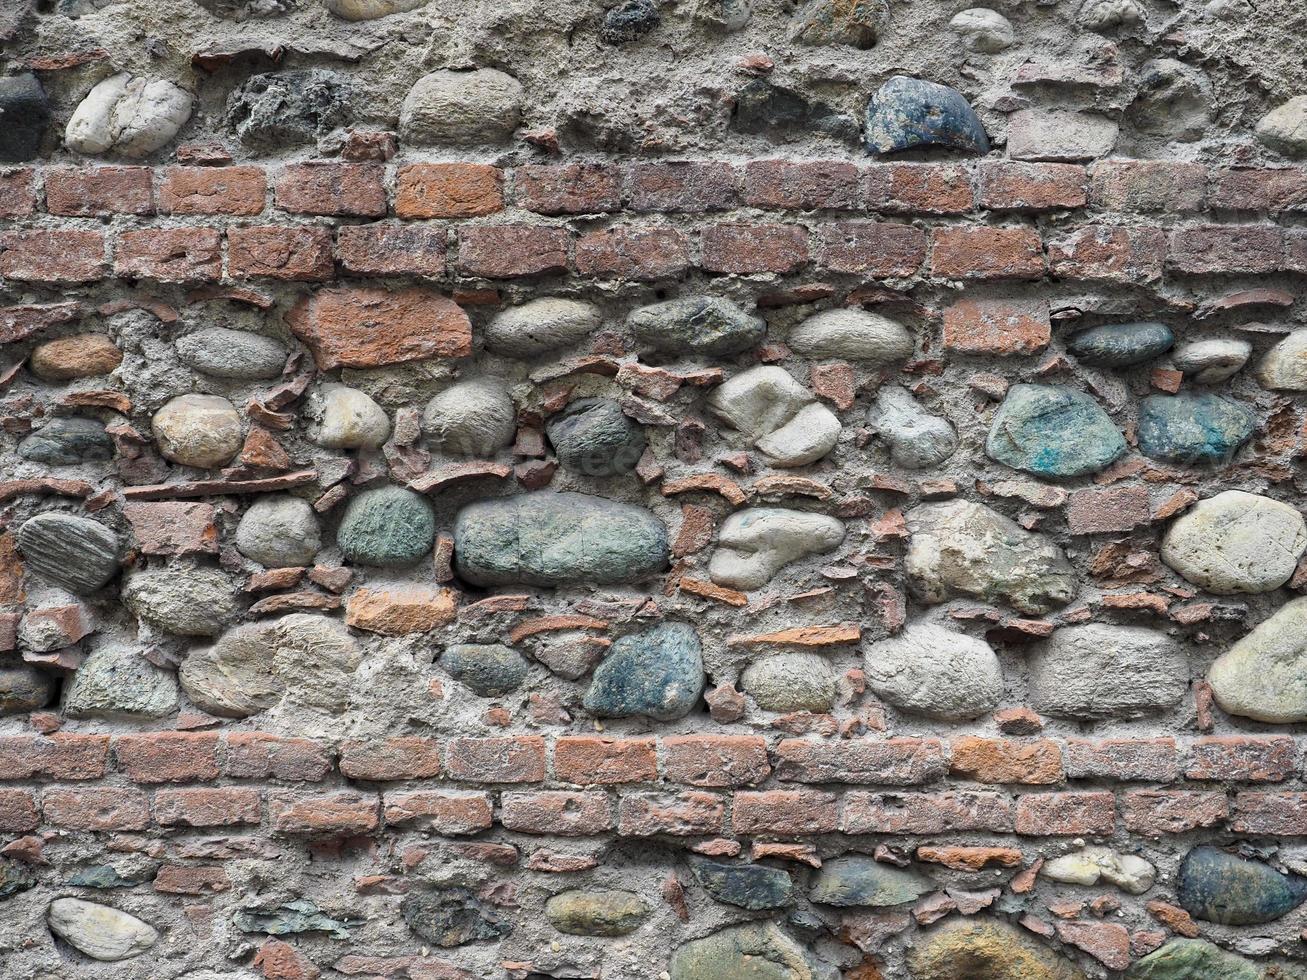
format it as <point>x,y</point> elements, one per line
<point>100,876</point>
<point>908,113</point>
<point>750,886</point>
<point>66,442</point>
<point>1053,431</point>
<point>629,21</point>
<point>1194,428</point>
<point>296,916</point>
<point>708,325</point>
<point>592,437</point>
<point>451,917</point>
<point>387,527</point>
<point>76,553</point>
<point>1121,344</point>
<point>548,539</point>
<point>489,669</point>
<point>657,674</point>
<point>859,880</point>
<point>1218,887</point>
<point>24,114</point>
<point>13,879</point>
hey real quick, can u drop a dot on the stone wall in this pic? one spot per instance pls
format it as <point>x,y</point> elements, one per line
<point>697,489</point>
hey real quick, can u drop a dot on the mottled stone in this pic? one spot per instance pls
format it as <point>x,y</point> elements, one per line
<point>592,437</point>
<point>389,526</point>
<point>370,9</point>
<point>236,354</point>
<point>551,539</point>
<point>67,442</point>
<point>488,669</point>
<point>1105,15</point>
<point>1236,543</point>
<point>541,326</point>
<point>1284,368</point>
<point>1210,362</point>
<point>1216,886</point>
<point>794,681</point>
<point>289,108</point>
<point>1089,865</point>
<point>856,23</point>
<point>1264,675</point>
<point>1202,429</point>
<point>83,355</point>
<point>704,325</point>
<point>1284,128</point>
<point>937,672</point>
<point>972,949</point>
<point>754,544</point>
<point>296,916</point>
<point>963,548</point>
<point>629,21</point>
<point>724,15</point>
<point>765,108</point>
<point>1121,344</point>
<point>77,553</point>
<point>24,114</point>
<point>917,439</point>
<point>279,532</point>
<point>1098,670</point>
<point>777,414</point>
<point>852,335</point>
<point>471,418</point>
<point>461,107</point>
<point>14,879</point>
<point>187,602</point>
<point>117,682</point>
<point>99,931</point>
<point>100,876</point>
<point>758,950</point>
<point>129,116</point>
<point>983,30</point>
<point>1193,959</point>
<point>1060,135</point>
<point>860,880</point>
<point>656,674</point>
<point>596,912</point>
<point>907,113</point>
<point>203,431</point>
<point>450,917</point>
<point>346,418</point>
<point>749,886</point>
<point>1053,431</point>
<point>24,689</point>
<point>1173,101</point>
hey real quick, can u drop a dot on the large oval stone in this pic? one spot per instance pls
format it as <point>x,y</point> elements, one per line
<point>198,430</point>
<point>1053,431</point>
<point>852,334</point>
<point>1097,670</point>
<point>596,912</point>
<point>754,951</point>
<point>461,107</point>
<point>24,689</point>
<point>1236,542</point>
<point>749,886</point>
<point>1264,675</point>
<point>488,669</point>
<point>707,325</point>
<point>77,553</point>
<point>656,674</point>
<point>860,880</point>
<point>791,681</point>
<point>128,115</point>
<point>971,949</point>
<point>67,442</point>
<point>1187,959</point>
<point>471,418</point>
<point>552,539</point>
<point>187,602</point>
<point>1194,428</point>
<point>906,113</point>
<point>83,355</point>
<point>937,672</point>
<point>1218,887</point>
<point>387,527</point>
<point>541,326</point>
<point>346,418</point>
<point>99,931</point>
<point>236,354</point>
<point>1121,344</point>
<point>279,532</point>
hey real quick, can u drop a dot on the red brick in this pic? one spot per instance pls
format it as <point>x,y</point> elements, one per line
<point>515,759</point>
<point>448,190</point>
<point>683,187</point>
<point>278,960</point>
<point>339,189</point>
<point>167,757</point>
<point>924,813</point>
<point>1102,253</point>
<point>802,185</point>
<point>716,760</point>
<point>1148,185</point>
<point>1226,249</point>
<point>1143,760</point>
<point>1004,760</point>
<point>224,807</point>
<point>100,808</point>
<point>52,256</point>
<point>997,326</point>
<point>1268,189</point>
<point>63,757</point>
<point>335,813</point>
<point>449,812</point>
<point>213,190</point>
<point>181,879</point>
<point>1108,511</point>
<point>296,253</point>
<point>1278,814</point>
<point>871,248</point>
<point>986,253</point>
<point>575,188</point>
<point>18,812</point>
<point>1058,814</point>
<point>173,527</point>
<point>1107,942</point>
<point>68,623</point>
<point>688,814</point>
<point>366,327</point>
<point>565,813</point>
<point>587,760</point>
<point>1295,249</point>
<point>88,192</point>
<point>1241,759</point>
<point>389,250</point>
<point>511,251</point>
<point>746,249</point>
<point>919,188</point>
<point>254,755</point>
<point>632,253</point>
<point>1157,812</point>
<point>385,760</point>
<point>892,762</point>
<point>170,254</point>
<point>789,812</point>
<point>1011,186</point>
<point>17,193</point>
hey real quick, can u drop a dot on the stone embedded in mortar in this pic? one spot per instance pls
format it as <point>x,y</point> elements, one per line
<point>983,30</point>
<point>1053,431</point>
<point>367,327</point>
<point>592,437</point>
<point>762,107</point>
<point>917,439</point>
<point>1236,543</point>
<point>1121,344</point>
<point>449,917</point>
<point>471,418</point>
<point>289,108</point>
<point>724,15</point>
<point>203,431</point>
<point>853,335</point>
<point>1194,429</point>
<point>937,672</point>
<point>1106,15</point>
<point>370,9</point>
<point>1210,362</point>
<point>754,544</point>
<point>1060,135</point>
<point>858,880</point>
<point>777,414</point>
<point>1264,675</point>
<point>959,548</point>
<point>24,114</point>
<point>99,931</point>
<point>345,418</point>
<point>182,601</point>
<point>1284,368</point>
<point>1187,959</point>
<point>461,107</point>
<point>656,674</point>
<point>629,21</point>
<point>1216,886</point>
<point>741,951</point>
<point>76,553</point>
<point>1090,864</point>
<point>908,113</point>
<point>1098,670</point>
<point>856,23</point>
<point>540,326</point>
<point>83,355</point>
<point>387,527</point>
<point>128,116</point>
<point>24,689</point>
<point>704,325</point>
<point>1284,128</point>
<point>236,354</point>
<point>14,879</point>
<point>118,682</point>
<point>791,681</point>
<point>550,539</point>
<point>100,876</point>
<point>296,916</point>
<point>67,442</point>
<point>604,912</point>
<point>748,886</point>
<point>1173,101</point>
<point>279,532</point>
<point>966,949</point>
<point>488,669</point>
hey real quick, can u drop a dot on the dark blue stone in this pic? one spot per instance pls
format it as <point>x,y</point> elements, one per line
<point>750,886</point>
<point>1052,430</point>
<point>908,112</point>
<point>657,674</point>
<point>1219,887</point>
<point>1194,428</point>
<point>1121,344</point>
<point>24,114</point>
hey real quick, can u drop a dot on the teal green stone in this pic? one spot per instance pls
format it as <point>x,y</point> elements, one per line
<point>750,886</point>
<point>100,876</point>
<point>14,879</point>
<point>387,527</point>
<point>1216,886</point>
<point>656,674</point>
<point>1053,431</point>
<point>859,880</point>
<point>1194,428</point>
<point>299,915</point>
<point>1121,344</point>
<point>1188,959</point>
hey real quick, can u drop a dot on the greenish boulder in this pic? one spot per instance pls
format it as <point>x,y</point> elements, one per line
<point>488,669</point>
<point>1121,344</point>
<point>859,880</point>
<point>1189,959</point>
<point>750,886</point>
<point>971,949</point>
<point>707,325</point>
<point>596,912</point>
<point>449,917</point>
<point>656,674</point>
<point>1053,431</point>
<point>755,951</point>
<point>1194,428</point>
<point>387,527</point>
<point>1217,886</point>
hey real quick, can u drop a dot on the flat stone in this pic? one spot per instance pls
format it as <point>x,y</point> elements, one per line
<point>754,544</point>
<point>762,107</point>
<point>67,442</point>
<point>858,880</point>
<point>540,327</point>
<point>970,949</point>
<point>24,689</point>
<point>77,553</point>
<point>1060,135</point>
<point>236,354</point>
<point>25,109</point>
<point>1089,865</point>
<point>450,917</point>
<point>792,681</point>
<point>1097,670</point>
<point>983,30</point>
<point>758,950</point>
<point>289,108</point>
<point>551,539</point>
<point>489,669</point>
<point>370,9</point>
<point>777,414</point>
<point>403,609</point>
<point>1194,429</point>
<point>959,548</point>
<point>656,674</point>
<point>1264,674</point>
<point>749,886</point>
<point>1189,959</point>
<point>471,418</point>
<point>461,107</point>
<point>203,431</point>
<point>186,602</point>
<point>99,931</point>
<point>345,418</point>
<point>1284,368</point>
<point>592,437</point>
<point>100,876</point>
<point>1236,543</point>
<point>83,355</point>
<point>937,672</point>
<point>917,439</point>
<point>596,912</point>
<point>908,113</point>
<point>852,335</point>
<point>1216,886</point>
<point>292,918</point>
<point>128,116</point>
<point>1284,128</point>
<point>1121,344</point>
<point>50,628</point>
<point>706,325</point>
<point>117,682</point>
<point>1053,431</point>
<point>387,527</point>
<point>1209,362</point>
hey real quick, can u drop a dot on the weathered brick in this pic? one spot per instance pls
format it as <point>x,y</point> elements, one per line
<point>716,760</point>
<point>1143,760</point>
<point>17,192</point>
<point>213,190</point>
<point>18,813</point>
<point>225,807</point>
<point>365,327</point>
<point>167,757</point>
<point>1148,185</point>
<point>587,760</point>
<point>1269,189</point>
<point>687,814</point>
<point>1295,250</point>
<point>389,759</point>
<point>170,254</point>
<point>745,249</point>
<point>925,813</point>
<point>511,251</point>
<point>565,813</point>
<point>512,759</point>
<point>255,755</point>
<point>1103,253</point>
<point>184,879</point>
<point>1065,814</point>
<point>792,813</point>
<point>871,248</point>
<point>986,253</point>
<point>96,808</point>
<point>1005,760</point>
<point>61,256</point>
<point>89,192</point>
<point>574,188</point>
<point>683,187</point>
<point>918,188</point>
<point>441,812</point>
<point>328,813</point>
<point>392,249</point>
<point>296,253</point>
<point>1242,759</point>
<point>1226,249</point>
<point>337,189</point>
<point>448,190</point>
<point>802,185</point>
<point>891,762</point>
<point>1278,814</point>
<point>632,253</point>
<point>63,757</point>
<point>997,326</point>
<point>1012,186</point>
<point>1157,812</point>
<point>1108,510</point>
<point>173,527</point>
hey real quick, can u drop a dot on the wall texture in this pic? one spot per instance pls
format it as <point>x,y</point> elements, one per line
<point>565,490</point>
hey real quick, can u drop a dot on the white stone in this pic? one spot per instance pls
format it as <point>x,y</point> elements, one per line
<point>1103,15</point>
<point>1210,362</point>
<point>777,414</point>
<point>198,430</point>
<point>1284,368</point>
<point>462,107</point>
<point>128,115</point>
<point>1060,135</point>
<point>1100,670</point>
<point>370,9</point>
<point>854,335</point>
<point>346,418</point>
<point>937,672</point>
<point>798,681</point>
<point>917,439</point>
<point>541,326</point>
<point>1284,129</point>
<point>755,544</point>
<point>984,30</point>
<point>279,532</point>
<point>1236,542</point>
<point>1087,866</point>
<point>1264,675</point>
<point>472,418</point>
<point>99,931</point>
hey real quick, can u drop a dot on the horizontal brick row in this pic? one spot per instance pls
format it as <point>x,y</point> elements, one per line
<point>462,190</point>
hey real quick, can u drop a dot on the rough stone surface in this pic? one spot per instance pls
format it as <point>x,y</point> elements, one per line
<point>777,414</point>
<point>1284,368</point>
<point>472,418</point>
<point>1101,671</point>
<point>749,886</point>
<point>755,544</point>
<point>657,674</point>
<point>203,431</point>
<point>77,553</point>
<point>1264,674</point>
<point>1236,543</point>
<point>450,917</point>
<point>67,442</point>
<point>279,532</point>
<point>1181,959</point>
<point>1284,128</point>
<point>289,108</point>
<point>984,30</point>
<point>596,912</point>
<point>963,949</point>
<point>489,669</point>
<point>24,689</point>
<point>856,335</point>
<point>790,682</point>
<point>706,325</point>
<point>917,439</point>
<point>1091,864</point>
<point>1119,345</point>
<point>859,880</point>
<point>1193,429</point>
<point>129,116</point>
<point>25,109</point>
<point>100,931</point>
<point>937,672</point>
<point>761,948</point>
<point>1212,361</point>
<point>237,354</point>
<point>906,113</point>
<point>86,355</point>
<point>540,327</point>
<point>194,602</point>
<point>346,418</point>
<point>462,108</point>
<point>1216,886</point>
<point>592,437</point>
<point>387,527</point>
<point>117,682</point>
<point>1053,431</point>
